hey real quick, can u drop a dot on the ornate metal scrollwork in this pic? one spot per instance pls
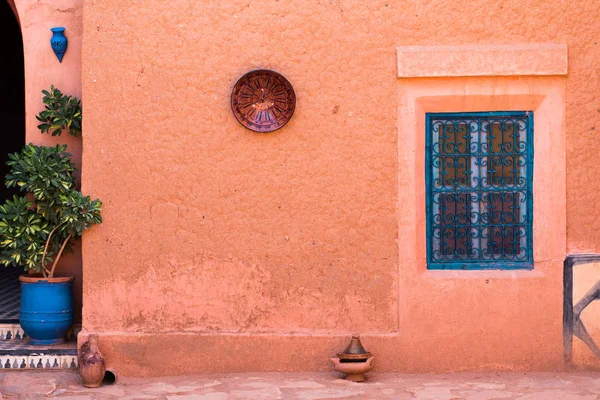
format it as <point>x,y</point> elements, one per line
<point>479,190</point>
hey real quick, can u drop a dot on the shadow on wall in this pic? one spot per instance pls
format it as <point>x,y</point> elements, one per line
<point>581,318</point>
<point>12,92</point>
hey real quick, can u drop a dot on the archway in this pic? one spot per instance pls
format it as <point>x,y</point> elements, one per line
<point>12,134</point>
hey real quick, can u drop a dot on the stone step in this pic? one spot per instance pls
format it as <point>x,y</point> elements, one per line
<point>17,353</point>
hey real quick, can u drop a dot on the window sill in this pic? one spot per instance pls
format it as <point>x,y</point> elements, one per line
<point>474,266</point>
<point>481,274</point>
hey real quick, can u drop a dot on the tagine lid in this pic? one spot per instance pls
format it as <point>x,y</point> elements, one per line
<point>355,350</point>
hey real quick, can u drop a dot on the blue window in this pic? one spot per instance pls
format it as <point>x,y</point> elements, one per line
<point>479,175</point>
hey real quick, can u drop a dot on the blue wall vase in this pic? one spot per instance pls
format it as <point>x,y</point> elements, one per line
<point>59,42</point>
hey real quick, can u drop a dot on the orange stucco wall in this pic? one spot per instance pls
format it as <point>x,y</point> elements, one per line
<point>263,252</point>
<point>42,69</point>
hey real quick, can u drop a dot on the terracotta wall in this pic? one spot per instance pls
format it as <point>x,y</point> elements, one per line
<point>42,69</point>
<point>255,251</point>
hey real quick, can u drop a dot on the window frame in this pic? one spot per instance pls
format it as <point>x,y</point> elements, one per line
<point>429,177</point>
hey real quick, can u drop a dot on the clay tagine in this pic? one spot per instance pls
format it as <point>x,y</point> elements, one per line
<point>355,361</point>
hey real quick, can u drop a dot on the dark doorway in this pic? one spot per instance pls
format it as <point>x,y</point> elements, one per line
<point>12,137</point>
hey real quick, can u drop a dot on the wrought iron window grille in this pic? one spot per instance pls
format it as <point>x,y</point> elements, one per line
<point>479,170</point>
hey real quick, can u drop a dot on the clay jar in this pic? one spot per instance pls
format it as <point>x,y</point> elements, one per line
<point>91,363</point>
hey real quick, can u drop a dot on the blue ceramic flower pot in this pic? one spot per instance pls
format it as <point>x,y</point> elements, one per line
<point>46,308</point>
<point>59,42</point>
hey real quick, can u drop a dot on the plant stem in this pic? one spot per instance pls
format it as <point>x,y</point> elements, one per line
<point>59,254</point>
<point>46,248</point>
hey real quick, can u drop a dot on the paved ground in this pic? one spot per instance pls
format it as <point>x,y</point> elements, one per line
<point>309,386</point>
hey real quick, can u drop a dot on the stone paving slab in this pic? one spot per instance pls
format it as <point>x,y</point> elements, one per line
<point>65,385</point>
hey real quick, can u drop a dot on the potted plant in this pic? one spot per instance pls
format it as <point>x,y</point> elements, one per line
<point>62,112</point>
<point>37,227</point>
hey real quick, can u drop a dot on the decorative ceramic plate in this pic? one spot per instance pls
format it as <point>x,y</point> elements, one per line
<point>263,100</point>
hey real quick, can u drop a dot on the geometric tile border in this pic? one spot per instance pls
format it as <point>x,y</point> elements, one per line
<point>47,361</point>
<point>17,353</point>
<point>10,332</point>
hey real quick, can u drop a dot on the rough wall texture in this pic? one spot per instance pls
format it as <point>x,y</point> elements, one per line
<point>42,69</point>
<point>210,228</point>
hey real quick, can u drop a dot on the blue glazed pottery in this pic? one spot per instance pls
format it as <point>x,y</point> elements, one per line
<point>59,42</point>
<point>46,308</point>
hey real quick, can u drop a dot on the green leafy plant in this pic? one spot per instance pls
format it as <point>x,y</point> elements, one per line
<point>37,227</point>
<point>61,112</point>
